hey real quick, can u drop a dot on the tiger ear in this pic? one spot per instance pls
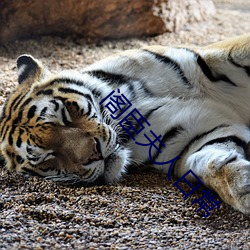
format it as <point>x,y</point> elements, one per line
<point>29,69</point>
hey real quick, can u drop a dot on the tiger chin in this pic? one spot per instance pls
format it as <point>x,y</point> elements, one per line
<point>57,125</point>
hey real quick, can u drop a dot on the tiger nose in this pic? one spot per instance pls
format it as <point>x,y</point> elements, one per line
<point>96,152</point>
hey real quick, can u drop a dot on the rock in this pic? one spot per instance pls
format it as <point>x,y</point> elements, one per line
<point>98,19</point>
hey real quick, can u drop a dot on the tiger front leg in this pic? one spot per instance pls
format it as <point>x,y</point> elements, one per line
<point>226,171</point>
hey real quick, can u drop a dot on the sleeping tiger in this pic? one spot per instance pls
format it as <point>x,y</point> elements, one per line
<point>197,99</point>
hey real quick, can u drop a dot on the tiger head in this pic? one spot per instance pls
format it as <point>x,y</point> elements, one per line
<point>52,126</point>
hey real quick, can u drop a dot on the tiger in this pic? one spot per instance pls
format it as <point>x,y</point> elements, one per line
<point>58,126</point>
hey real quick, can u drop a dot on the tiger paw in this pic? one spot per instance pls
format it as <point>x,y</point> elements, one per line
<point>223,159</point>
<point>232,183</point>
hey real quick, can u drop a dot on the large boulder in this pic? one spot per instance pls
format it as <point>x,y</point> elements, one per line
<point>98,19</point>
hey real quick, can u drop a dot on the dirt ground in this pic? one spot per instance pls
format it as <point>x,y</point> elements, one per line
<point>144,210</point>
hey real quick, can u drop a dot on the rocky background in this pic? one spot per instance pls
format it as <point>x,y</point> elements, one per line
<point>98,19</point>
<point>144,210</point>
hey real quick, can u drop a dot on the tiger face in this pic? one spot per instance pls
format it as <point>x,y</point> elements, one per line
<point>53,127</point>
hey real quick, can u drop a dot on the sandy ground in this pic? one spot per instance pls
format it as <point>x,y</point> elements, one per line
<point>144,211</point>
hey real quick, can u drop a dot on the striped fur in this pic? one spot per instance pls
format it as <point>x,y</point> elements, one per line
<point>196,98</point>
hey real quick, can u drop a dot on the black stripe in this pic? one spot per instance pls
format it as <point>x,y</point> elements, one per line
<point>3,135</point>
<point>109,137</point>
<point>19,159</point>
<point>89,109</point>
<point>14,125</point>
<point>31,112</point>
<point>21,131</point>
<point>35,158</point>
<point>96,93</point>
<point>16,121</point>
<point>26,103</point>
<point>6,120</point>
<point>150,112</point>
<point>209,74</point>
<point>70,91</point>
<point>239,142</point>
<point>147,91</point>
<point>231,160</point>
<point>19,142</point>
<point>199,137</point>
<point>102,108</point>
<point>19,118</point>
<point>43,111</point>
<point>94,116</point>
<point>3,113</point>
<point>170,134</point>
<point>146,116</point>
<point>56,105</point>
<point>110,78</point>
<point>45,92</point>
<point>119,80</point>
<point>29,149</point>
<point>131,91</point>
<point>64,117</point>
<point>3,127</point>
<point>231,60</point>
<point>60,98</point>
<point>42,114</point>
<point>114,79</point>
<point>17,101</point>
<point>67,81</point>
<point>205,69</point>
<point>126,138</point>
<point>44,125</point>
<point>213,77</point>
<point>2,161</point>
<point>10,139</point>
<point>73,91</point>
<point>11,107</point>
<point>173,64</point>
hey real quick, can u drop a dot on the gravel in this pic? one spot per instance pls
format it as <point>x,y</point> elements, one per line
<point>144,210</point>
